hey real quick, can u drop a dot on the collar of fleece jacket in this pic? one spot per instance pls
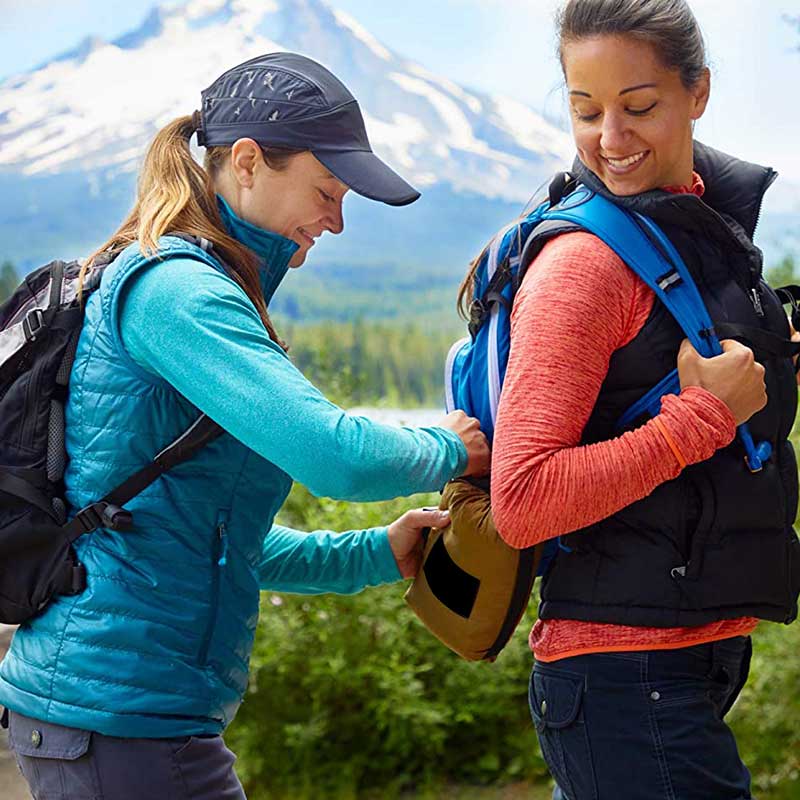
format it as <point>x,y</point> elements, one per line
<point>273,250</point>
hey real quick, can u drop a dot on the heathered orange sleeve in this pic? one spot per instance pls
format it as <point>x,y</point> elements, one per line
<point>578,304</point>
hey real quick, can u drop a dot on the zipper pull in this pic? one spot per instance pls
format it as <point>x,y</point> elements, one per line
<point>223,537</point>
<point>756,299</point>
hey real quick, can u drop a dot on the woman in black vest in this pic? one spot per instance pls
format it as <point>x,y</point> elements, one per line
<point>673,548</point>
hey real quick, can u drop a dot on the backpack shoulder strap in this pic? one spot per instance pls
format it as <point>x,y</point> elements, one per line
<point>109,512</point>
<point>644,247</point>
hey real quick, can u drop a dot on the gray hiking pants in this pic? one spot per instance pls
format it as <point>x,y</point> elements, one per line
<point>62,763</point>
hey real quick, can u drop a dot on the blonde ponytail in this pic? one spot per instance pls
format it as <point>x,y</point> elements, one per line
<point>175,195</point>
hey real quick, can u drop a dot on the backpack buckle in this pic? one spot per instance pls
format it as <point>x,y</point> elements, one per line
<point>33,324</point>
<point>104,515</point>
<point>89,518</point>
<point>116,518</point>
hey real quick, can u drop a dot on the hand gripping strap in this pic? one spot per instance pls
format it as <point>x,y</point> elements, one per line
<point>642,245</point>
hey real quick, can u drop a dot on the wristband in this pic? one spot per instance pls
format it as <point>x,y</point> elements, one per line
<point>670,441</point>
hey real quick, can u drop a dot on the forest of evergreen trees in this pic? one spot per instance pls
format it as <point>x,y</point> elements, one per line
<point>395,361</point>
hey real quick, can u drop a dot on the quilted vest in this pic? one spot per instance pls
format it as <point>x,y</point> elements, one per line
<point>158,645</point>
<point>716,542</point>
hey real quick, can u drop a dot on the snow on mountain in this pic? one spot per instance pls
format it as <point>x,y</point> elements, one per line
<point>95,108</point>
<point>73,131</point>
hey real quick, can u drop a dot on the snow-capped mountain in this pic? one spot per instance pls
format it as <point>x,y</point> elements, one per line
<point>95,108</point>
<point>72,133</point>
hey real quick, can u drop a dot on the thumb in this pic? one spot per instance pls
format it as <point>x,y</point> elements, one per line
<point>428,518</point>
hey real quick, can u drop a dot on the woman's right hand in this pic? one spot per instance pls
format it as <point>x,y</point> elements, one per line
<point>474,439</point>
<point>735,377</point>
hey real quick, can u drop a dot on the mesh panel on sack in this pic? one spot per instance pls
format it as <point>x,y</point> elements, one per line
<point>60,510</point>
<point>56,449</point>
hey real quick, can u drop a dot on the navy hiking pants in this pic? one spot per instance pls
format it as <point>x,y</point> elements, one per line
<point>643,726</point>
<point>61,763</point>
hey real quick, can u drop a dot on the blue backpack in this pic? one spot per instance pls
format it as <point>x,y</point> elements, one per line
<point>476,366</point>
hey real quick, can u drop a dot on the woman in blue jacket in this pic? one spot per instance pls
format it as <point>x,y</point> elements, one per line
<point>123,690</point>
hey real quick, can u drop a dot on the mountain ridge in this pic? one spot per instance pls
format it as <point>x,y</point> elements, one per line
<point>73,131</point>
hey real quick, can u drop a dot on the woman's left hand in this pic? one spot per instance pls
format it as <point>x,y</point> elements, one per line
<point>405,537</point>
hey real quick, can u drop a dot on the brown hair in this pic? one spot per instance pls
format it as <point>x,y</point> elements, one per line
<point>467,287</point>
<point>668,25</point>
<point>176,194</point>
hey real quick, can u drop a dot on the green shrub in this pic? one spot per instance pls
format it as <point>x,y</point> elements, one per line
<point>352,694</point>
<point>352,697</point>
<point>766,719</point>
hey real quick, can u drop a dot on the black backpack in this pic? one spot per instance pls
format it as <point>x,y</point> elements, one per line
<point>39,329</point>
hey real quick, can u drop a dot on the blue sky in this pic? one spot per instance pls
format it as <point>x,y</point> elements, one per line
<point>506,46</point>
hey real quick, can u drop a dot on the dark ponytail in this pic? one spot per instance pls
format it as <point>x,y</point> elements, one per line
<point>668,25</point>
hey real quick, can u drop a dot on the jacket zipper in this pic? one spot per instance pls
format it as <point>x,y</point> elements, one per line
<point>219,560</point>
<point>768,181</point>
<point>753,293</point>
<point>756,291</point>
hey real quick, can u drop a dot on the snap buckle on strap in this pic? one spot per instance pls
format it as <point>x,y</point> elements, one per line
<point>104,515</point>
<point>33,324</point>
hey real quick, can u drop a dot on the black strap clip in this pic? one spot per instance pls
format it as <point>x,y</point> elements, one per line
<point>477,314</point>
<point>104,515</point>
<point>33,324</point>
<point>669,280</point>
<point>561,185</point>
<point>497,297</point>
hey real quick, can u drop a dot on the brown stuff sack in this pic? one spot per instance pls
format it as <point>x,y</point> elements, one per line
<point>472,588</point>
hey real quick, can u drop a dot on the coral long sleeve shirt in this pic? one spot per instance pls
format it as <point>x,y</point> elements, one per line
<point>544,482</point>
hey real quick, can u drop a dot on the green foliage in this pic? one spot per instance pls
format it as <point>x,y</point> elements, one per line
<point>345,292</point>
<point>9,280</point>
<point>766,719</point>
<point>351,695</point>
<point>375,363</point>
<point>782,273</point>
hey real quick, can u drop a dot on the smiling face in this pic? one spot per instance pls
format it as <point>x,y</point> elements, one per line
<point>631,116</point>
<point>299,201</point>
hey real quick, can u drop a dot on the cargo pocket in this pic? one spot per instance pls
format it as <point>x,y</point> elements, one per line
<point>205,766</point>
<point>53,759</point>
<point>556,701</point>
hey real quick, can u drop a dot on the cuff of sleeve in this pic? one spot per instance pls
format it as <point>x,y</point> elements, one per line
<point>711,409</point>
<point>461,450</point>
<point>387,569</point>
<point>699,423</point>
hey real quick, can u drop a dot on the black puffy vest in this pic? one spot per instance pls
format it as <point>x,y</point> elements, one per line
<point>716,542</point>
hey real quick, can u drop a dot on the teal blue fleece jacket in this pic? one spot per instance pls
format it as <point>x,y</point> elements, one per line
<point>215,351</point>
<point>159,642</point>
